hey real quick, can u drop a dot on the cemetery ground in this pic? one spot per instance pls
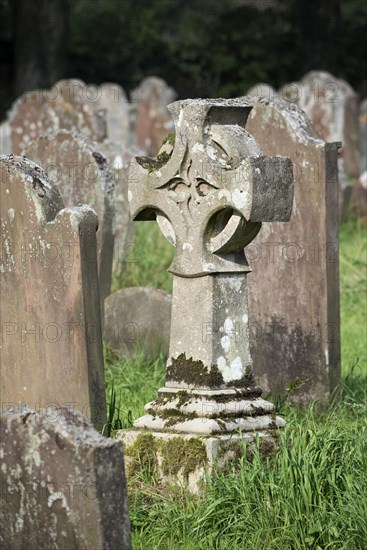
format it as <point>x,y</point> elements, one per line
<point>310,494</point>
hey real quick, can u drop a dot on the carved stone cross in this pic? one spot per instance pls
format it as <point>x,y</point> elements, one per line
<point>210,188</point>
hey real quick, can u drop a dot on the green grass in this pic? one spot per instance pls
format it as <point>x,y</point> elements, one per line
<point>312,493</point>
<point>149,260</point>
<point>353,296</point>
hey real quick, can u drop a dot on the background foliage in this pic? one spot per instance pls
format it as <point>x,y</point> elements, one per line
<point>200,47</point>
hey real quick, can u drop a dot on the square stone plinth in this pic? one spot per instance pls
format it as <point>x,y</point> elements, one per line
<point>185,459</point>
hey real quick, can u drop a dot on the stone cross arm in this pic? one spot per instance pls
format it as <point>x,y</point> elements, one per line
<point>210,187</point>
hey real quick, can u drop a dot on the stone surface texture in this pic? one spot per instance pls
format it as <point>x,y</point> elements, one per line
<point>62,483</point>
<point>82,175</point>
<point>51,346</point>
<point>152,119</point>
<point>138,318</point>
<point>294,286</point>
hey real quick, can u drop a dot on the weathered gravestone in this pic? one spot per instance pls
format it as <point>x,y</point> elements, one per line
<point>62,484</point>
<point>77,108</point>
<point>113,99</point>
<point>80,172</point>
<point>332,106</point>
<point>70,105</point>
<point>209,193</point>
<point>30,115</point>
<point>138,318</point>
<point>153,121</point>
<point>51,346</point>
<point>294,287</point>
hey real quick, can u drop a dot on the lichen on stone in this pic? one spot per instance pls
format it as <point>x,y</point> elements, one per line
<point>154,164</point>
<point>170,139</point>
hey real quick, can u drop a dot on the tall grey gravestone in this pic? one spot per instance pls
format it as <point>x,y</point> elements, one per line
<point>51,346</point>
<point>82,175</point>
<point>209,192</point>
<point>294,286</point>
<point>62,484</point>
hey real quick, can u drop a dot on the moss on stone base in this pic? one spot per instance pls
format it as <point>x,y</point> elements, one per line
<point>173,456</point>
<point>181,455</point>
<point>194,372</point>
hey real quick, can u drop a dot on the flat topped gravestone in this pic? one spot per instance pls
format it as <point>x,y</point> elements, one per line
<point>82,175</point>
<point>62,484</point>
<point>209,192</point>
<point>51,346</point>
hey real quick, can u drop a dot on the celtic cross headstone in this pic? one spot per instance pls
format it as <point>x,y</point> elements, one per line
<point>209,189</point>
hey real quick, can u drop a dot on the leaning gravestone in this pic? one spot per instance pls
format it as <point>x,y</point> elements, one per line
<point>51,346</point>
<point>138,318</point>
<point>62,484</point>
<point>209,193</point>
<point>153,120</point>
<point>294,287</point>
<point>81,174</point>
